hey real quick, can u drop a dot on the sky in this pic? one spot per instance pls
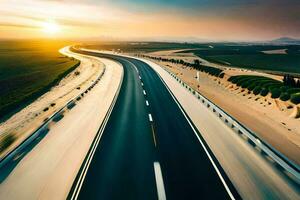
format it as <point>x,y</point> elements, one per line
<point>156,20</point>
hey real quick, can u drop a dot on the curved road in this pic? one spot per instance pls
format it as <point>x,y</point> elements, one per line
<point>148,149</point>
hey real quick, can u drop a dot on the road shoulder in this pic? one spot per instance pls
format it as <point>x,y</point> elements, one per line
<point>50,168</point>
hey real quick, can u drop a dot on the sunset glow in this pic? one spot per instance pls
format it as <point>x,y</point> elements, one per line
<point>51,27</point>
<point>194,20</point>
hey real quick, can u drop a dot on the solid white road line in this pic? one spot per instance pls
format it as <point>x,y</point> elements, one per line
<point>144,92</point>
<point>147,103</point>
<point>83,173</point>
<point>201,142</point>
<point>159,182</point>
<point>150,117</point>
<point>89,159</point>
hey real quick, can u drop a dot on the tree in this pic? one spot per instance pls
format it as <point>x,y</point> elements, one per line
<point>196,62</point>
<point>298,83</point>
<point>289,80</point>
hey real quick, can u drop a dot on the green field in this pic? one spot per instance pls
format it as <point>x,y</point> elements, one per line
<point>233,54</point>
<point>252,57</point>
<point>142,47</point>
<point>27,70</point>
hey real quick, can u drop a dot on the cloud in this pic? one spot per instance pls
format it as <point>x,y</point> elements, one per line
<point>217,20</point>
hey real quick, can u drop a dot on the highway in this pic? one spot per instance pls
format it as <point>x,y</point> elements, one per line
<point>149,149</point>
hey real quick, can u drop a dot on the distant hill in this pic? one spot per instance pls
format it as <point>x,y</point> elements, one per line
<point>286,40</point>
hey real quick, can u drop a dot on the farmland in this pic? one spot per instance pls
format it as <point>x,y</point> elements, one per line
<point>250,56</point>
<point>144,47</point>
<point>27,70</point>
<point>253,57</point>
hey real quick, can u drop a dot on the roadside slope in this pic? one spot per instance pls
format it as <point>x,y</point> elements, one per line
<point>49,169</point>
<point>23,123</point>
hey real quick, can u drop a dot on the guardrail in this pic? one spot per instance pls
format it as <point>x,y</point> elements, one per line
<point>44,127</point>
<point>281,162</point>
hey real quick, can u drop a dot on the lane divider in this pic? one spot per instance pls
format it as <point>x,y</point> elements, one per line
<point>159,181</point>
<point>144,92</point>
<point>147,103</point>
<point>201,142</point>
<point>153,135</point>
<point>150,117</point>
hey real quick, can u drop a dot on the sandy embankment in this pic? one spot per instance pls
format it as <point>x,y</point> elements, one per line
<point>269,118</point>
<point>23,123</point>
<point>49,169</point>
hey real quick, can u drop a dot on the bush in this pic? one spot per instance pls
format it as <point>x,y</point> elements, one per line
<point>285,96</point>
<point>256,90</point>
<point>284,88</point>
<point>251,86</point>
<point>295,98</point>
<point>273,86</point>
<point>275,93</point>
<point>293,90</point>
<point>233,80</point>
<point>211,70</point>
<point>77,73</point>
<point>264,92</point>
<point>239,82</point>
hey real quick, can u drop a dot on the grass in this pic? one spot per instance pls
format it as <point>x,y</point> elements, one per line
<point>252,57</point>
<point>264,85</point>
<point>27,70</point>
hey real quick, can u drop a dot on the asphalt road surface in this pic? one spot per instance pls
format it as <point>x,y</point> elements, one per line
<point>149,149</point>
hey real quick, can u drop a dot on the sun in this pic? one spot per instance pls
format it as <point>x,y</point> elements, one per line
<point>51,27</point>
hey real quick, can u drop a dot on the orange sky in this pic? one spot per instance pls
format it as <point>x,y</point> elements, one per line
<point>25,19</point>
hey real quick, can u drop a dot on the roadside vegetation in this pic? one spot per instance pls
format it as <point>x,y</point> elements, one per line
<point>288,89</point>
<point>252,56</point>
<point>196,65</point>
<point>27,70</point>
<point>142,47</point>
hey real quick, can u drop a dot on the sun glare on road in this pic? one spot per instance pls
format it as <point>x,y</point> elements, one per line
<point>51,27</point>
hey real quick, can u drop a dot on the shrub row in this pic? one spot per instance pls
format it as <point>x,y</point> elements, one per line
<point>212,71</point>
<point>265,85</point>
<point>295,98</point>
